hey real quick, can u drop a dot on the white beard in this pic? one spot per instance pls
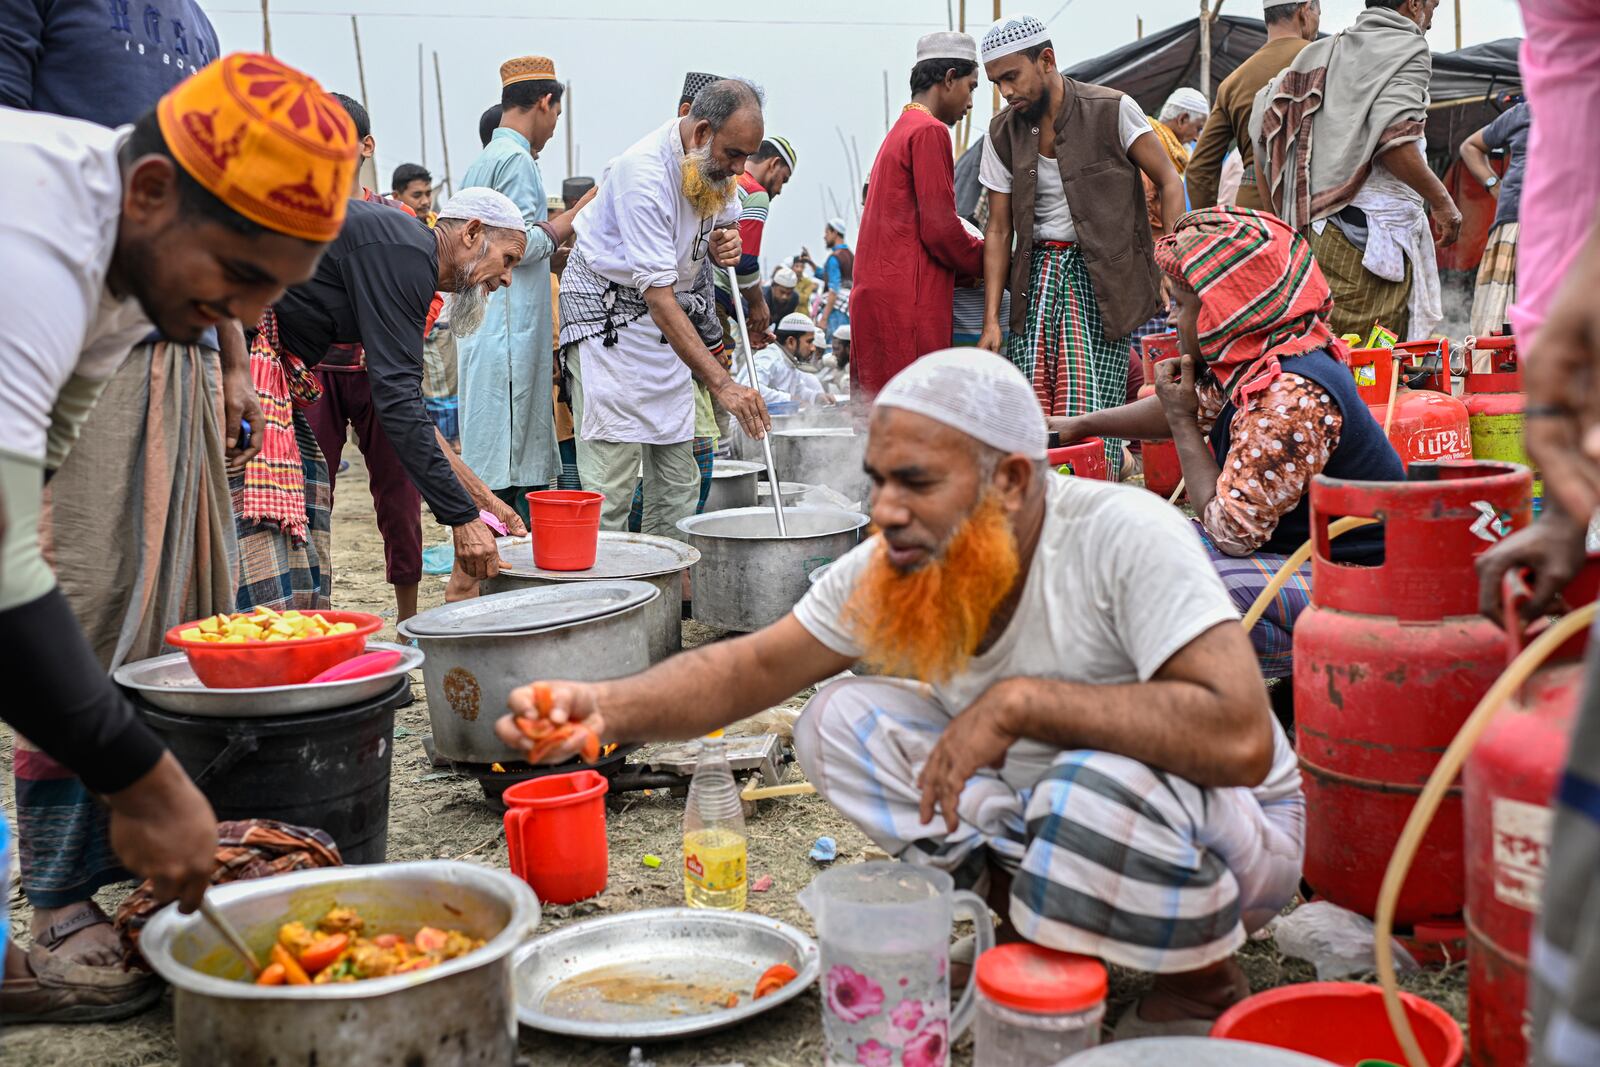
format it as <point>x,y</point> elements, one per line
<point>471,302</point>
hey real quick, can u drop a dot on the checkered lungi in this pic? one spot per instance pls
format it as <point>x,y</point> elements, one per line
<point>274,571</point>
<point>1074,367</point>
<point>1111,858</point>
<point>1245,577</point>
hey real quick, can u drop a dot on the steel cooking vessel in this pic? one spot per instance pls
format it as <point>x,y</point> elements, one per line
<point>462,1011</point>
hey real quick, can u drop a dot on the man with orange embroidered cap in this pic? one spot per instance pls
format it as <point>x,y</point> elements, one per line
<point>200,213</point>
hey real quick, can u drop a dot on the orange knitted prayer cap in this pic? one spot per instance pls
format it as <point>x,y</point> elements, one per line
<point>266,140</point>
<point>527,69</point>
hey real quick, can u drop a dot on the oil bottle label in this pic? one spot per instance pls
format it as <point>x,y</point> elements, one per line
<point>713,872</point>
<point>1521,851</point>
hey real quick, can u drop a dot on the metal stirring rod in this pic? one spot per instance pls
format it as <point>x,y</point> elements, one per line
<point>750,371</point>
<point>229,934</point>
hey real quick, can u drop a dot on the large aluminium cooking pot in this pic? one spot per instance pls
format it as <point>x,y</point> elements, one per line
<point>657,561</point>
<point>749,577</point>
<point>462,1011</point>
<point>479,650</point>
<point>829,456</point>
<point>733,484</point>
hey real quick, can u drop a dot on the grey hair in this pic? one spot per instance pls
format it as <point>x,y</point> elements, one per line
<point>721,100</point>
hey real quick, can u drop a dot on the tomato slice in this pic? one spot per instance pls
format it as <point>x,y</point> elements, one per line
<point>430,940</point>
<point>543,699</point>
<point>591,745</point>
<point>775,978</point>
<point>323,952</point>
<point>386,940</point>
<point>272,974</point>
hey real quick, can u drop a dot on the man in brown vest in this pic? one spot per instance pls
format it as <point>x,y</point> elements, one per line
<point>1081,272</point>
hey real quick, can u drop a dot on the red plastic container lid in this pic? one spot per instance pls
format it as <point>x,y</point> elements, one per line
<point>1039,980</point>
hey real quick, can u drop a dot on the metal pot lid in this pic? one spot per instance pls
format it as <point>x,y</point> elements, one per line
<point>735,468</point>
<point>538,608</point>
<point>620,555</point>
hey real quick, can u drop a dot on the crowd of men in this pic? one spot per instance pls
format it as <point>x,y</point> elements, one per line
<point>216,304</point>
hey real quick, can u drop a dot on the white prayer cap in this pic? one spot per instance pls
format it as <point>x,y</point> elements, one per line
<point>947,44</point>
<point>819,338</point>
<point>489,206</point>
<point>1268,4</point>
<point>836,224</point>
<point>1012,34</point>
<point>842,333</point>
<point>1185,101</point>
<point>785,277</point>
<point>977,392</point>
<point>794,322</point>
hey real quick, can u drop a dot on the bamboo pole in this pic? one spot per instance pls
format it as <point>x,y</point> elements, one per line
<point>266,29</point>
<point>1208,15</point>
<point>1139,22</point>
<point>369,166</point>
<point>949,16</point>
<point>444,138</point>
<point>422,110</point>
<point>566,114</point>
<point>1458,25</point>
<point>965,128</point>
<point>994,90</point>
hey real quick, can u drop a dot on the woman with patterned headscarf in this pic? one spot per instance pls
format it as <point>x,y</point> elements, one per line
<point>1260,402</point>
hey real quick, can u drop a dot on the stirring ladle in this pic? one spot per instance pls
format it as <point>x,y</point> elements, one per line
<point>232,936</point>
<point>766,438</point>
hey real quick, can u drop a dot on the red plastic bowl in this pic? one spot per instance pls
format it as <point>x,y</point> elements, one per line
<point>251,664</point>
<point>1342,1022</point>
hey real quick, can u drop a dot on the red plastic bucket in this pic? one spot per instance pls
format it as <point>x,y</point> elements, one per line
<point>566,528</point>
<point>1342,1022</point>
<point>556,833</point>
<point>1086,459</point>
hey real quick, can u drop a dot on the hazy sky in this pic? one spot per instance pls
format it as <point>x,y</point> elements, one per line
<point>822,63</point>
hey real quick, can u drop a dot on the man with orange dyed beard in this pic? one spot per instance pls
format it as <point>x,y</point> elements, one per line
<point>1063,712</point>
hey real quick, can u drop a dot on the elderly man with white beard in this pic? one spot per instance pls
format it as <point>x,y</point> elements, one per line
<point>1065,713</point>
<point>374,287</point>
<point>634,324</point>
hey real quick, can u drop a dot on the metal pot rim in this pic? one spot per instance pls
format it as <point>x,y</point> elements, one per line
<point>855,521</point>
<point>655,594</point>
<point>155,942</point>
<point>735,468</point>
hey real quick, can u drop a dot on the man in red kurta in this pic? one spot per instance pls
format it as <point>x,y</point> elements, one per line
<point>912,245</point>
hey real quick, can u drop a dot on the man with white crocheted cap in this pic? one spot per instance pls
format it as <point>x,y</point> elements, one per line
<point>1064,164</point>
<point>1064,711</point>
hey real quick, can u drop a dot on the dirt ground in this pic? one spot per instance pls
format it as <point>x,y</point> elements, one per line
<point>435,814</point>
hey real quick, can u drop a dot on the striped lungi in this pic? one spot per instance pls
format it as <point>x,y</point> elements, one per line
<point>1111,858</point>
<point>1245,577</point>
<point>1497,281</point>
<point>274,570</point>
<point>1074,367</point>
<point>1360,297</point>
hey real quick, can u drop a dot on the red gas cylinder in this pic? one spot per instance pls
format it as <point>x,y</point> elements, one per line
<point>1162,471</point>
<point>1086,459</point>
<point>1495,405</point>
<point>1427,425</point>
<point>1388,662</point>
<point>1509,780</point>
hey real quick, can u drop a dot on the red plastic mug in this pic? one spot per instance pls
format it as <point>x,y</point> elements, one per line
<point>556,833</point>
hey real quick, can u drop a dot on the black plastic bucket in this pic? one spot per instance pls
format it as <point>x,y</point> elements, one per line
<point>328,769</point>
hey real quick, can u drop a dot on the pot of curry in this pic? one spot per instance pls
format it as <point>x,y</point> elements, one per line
<point>403,964</point>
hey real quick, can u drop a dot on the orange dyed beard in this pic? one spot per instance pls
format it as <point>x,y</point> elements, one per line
<point>927,624</point>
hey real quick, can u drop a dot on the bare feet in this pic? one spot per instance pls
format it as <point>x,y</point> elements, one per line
<point>460,586</point>
<point>78,933</point>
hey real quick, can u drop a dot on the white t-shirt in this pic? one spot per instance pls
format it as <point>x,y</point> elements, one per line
<point>1119,583</point>
<point>63,201</point>
<point>640,231</point>
<point>1052,219</point>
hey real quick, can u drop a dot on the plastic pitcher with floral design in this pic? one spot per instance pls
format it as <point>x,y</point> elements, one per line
<point>884,930</point>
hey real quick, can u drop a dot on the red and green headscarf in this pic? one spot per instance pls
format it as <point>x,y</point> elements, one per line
<point>1262,295</point>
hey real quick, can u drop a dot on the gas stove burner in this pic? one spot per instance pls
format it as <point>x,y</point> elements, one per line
<point>496,782</point>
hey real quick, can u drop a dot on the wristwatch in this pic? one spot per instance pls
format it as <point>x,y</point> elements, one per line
<point>1491,181</point>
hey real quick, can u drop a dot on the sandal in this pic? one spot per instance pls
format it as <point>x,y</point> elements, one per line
<point>56,934</point>
<point>61,992</point>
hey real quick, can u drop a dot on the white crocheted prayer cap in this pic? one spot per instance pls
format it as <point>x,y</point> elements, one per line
<point>785,277</point>
<point>1185,101</point>
<point>794,322</point>
<point>489,206</point>
<point>977,392</point>
<point>1012,34</point>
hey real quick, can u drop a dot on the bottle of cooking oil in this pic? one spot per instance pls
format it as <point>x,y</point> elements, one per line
<point>713,834</point>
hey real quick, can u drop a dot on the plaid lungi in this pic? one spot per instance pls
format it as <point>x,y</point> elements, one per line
<point>1074,367</point>
<point>1497,281</point>
<point>1245,577</point>
<point>274,571</point>
<point>1111,858</point>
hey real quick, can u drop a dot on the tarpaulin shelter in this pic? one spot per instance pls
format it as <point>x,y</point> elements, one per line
<point>1468,85</point>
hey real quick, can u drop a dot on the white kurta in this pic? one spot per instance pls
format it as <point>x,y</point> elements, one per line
<point>783,382</point>
<point>641,232</point>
